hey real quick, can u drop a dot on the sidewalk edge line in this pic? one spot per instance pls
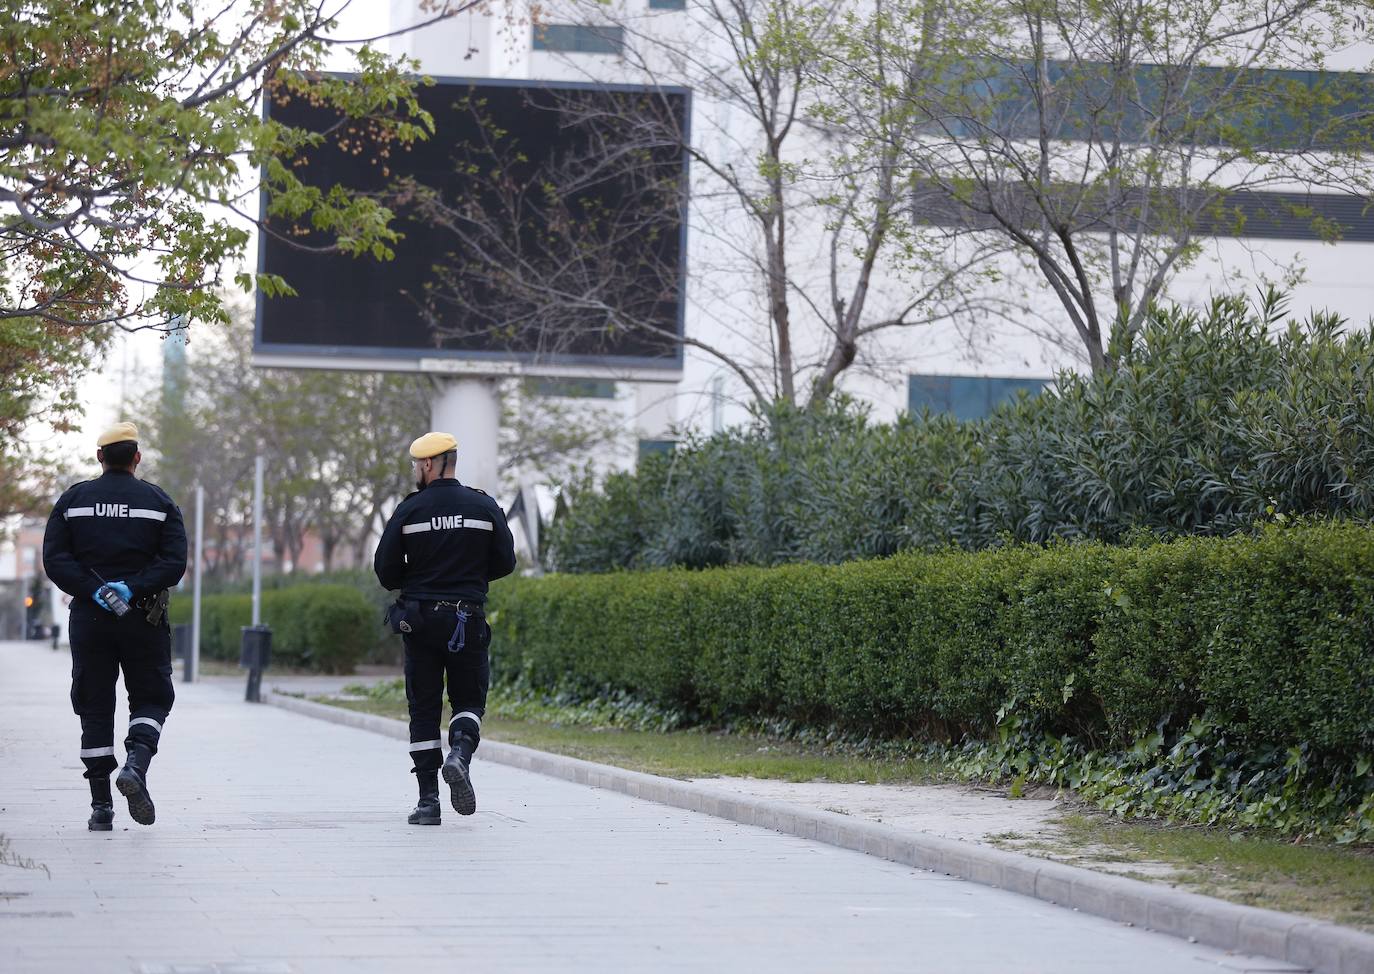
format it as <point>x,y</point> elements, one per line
<point>1316,944</point>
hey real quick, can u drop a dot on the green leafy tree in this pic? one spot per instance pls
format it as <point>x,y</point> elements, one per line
<point>133,149</point>
<point>41,363</point>
<point>131,136</point>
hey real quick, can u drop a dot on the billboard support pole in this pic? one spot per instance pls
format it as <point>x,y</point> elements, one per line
<point>469,407</point>
<point>192,670</point>
<point>257,540</point>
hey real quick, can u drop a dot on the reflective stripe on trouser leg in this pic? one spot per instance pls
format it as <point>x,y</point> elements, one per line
<point>95,669</point>
<point>427,755</point>
<point>469,675</point>
<point>424,668</point>
<point>145,657</point>
<point>466,722</point>
<point>97,746</point>
<point>99,759</point>
<point>145,729</point>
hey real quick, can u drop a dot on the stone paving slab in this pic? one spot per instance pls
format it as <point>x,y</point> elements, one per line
<point>1311,944</point>
<point>281,846</point>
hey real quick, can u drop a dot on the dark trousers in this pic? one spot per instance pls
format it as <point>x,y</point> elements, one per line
<point>102,645</point>
<point>429,660</point>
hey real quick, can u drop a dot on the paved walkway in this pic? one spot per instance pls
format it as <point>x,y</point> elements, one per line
<point>281,847</point>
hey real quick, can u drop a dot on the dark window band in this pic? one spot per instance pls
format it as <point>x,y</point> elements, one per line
<point>578,38</point>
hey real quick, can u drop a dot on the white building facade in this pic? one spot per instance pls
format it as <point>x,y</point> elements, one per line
<point>965,363</point>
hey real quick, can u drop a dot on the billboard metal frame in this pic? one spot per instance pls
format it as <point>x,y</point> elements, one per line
<point>475,363</point>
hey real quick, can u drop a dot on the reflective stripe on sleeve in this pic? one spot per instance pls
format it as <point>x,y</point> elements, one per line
<point>426,746</point>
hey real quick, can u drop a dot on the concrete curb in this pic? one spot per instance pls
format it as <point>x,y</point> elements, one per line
<point>1317,945</point>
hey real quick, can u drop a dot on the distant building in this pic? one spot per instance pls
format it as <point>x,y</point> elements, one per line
<point>939,367</point>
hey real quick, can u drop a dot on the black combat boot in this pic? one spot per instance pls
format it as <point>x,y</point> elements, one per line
<point>427,811</point>
<point>102,806</point>
<point>456,774</point>
<point>133,785</point>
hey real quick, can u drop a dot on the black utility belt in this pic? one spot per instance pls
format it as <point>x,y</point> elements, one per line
<point>403,615</point>
<point>462,605</point>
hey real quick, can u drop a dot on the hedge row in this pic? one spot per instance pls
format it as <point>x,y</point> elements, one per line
<point>1271,636</point>
<point>320,627</point>
<point>385,648</point>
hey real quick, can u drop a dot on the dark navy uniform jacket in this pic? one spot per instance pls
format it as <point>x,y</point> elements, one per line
<point>121,527</point>
<point>445,543</point>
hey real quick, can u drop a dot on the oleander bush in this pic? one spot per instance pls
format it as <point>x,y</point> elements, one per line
<point>1212,423</point>
<point>330,628</point>
<point>1200,663</point>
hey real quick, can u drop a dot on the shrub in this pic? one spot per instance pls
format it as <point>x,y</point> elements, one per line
<point>384,649</point>
<point>1271,637</point>
<point>1211,424</point>
<point>1214,680</point>
<point>329,628</point>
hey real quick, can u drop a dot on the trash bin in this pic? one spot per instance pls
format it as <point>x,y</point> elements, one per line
<point>255,653</point>
<point>182,650</point>
<point>181,641</point>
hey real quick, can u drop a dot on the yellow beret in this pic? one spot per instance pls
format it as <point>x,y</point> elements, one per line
<point>432,444</point>
<point>118,433</point>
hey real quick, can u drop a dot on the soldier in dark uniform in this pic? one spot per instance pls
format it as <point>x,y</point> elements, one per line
<point>116,544</point>
<point>442,546</point>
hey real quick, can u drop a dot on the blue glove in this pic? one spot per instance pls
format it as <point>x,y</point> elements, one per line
<point>124,592</point>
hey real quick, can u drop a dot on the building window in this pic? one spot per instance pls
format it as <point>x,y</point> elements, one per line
<point>1264,214</point>
<point>650,447</point>
<point>965,396</point>
<point>578,38</point>
<point>559,388</point>
<point>1222,103</point>
<point>667,4</point>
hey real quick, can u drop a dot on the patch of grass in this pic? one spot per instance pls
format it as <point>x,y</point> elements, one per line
<point>221,667</point>
<point>1317,879</point>
<point>681,754</point>
<point>218,667</point>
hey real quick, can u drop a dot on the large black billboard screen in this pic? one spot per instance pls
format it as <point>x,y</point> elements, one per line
<point>541,223</point>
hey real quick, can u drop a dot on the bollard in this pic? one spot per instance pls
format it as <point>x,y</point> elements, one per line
<point>255,654</point>
<point>181,649</point>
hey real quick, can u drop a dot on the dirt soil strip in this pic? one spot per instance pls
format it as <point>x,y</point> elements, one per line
<point>1314,944</point>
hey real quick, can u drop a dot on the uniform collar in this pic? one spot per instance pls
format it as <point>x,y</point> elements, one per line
<point>117,473</point>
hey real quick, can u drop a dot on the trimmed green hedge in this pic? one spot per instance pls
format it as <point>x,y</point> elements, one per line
<point>321,627</point>
<point>1271,636</point>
